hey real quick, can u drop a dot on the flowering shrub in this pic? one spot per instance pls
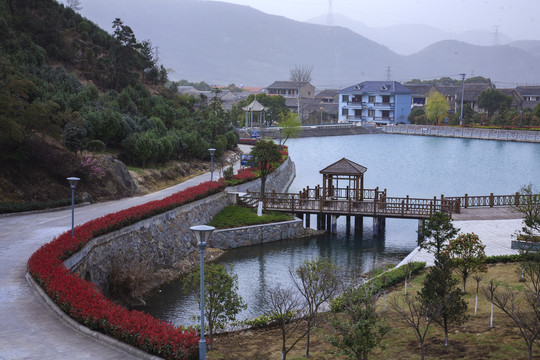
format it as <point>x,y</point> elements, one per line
<point>91,167</point>
<point>84,302</point>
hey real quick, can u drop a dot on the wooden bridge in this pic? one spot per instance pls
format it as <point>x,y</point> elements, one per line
<point>331,201</point>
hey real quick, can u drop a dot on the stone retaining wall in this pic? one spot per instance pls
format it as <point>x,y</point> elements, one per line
<point>257,234</point>
<point>468,133</point>
<point>164,242</point>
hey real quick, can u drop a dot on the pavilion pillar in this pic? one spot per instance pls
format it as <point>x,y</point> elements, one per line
<point>334,218</point>
<point>379,223</point>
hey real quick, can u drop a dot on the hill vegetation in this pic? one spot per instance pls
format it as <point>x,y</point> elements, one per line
<point>68,87</point>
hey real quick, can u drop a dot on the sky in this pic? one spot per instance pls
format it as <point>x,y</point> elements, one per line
<point>515,18</point>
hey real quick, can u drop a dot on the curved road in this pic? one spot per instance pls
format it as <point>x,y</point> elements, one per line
<point>30,329</point>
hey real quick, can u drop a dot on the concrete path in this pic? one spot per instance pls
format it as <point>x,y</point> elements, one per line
<point>494,227</point>
<point>29,328</point>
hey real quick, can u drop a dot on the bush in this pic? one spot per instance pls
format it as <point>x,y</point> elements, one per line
<point>96,146</point>
<point>391,278</point>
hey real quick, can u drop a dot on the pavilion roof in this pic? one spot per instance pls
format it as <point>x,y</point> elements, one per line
<point>344,167</point>
<point>255,106</point>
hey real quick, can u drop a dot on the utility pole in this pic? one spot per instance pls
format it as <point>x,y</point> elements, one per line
<point>462,95</point>
<point>388,73</point>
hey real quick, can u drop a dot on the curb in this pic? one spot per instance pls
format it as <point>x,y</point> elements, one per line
<point>43,210</point>
<point>86,331</point>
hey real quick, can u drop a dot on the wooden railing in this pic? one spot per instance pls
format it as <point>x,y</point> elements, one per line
<point>380,206</point>
<point>488,200</point>
<point>376,203</point>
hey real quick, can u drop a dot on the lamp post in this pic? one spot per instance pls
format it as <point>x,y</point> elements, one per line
<point>212,164</point>
<point>321,114</point>
<point>462,95</point>
<point>202,233</point>
<point>280,130</point>
<point>73,184</point>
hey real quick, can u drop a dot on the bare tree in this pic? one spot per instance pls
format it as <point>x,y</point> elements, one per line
<point>318,282</point>
<point>413,313</point>
<point>74,4</point>
<point>283,305</point>
<point>477,278</point>
<point>489,293</point>
<point>523,310</point>
<point>301,73</point>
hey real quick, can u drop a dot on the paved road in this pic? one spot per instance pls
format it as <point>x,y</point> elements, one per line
<point>29,329</point>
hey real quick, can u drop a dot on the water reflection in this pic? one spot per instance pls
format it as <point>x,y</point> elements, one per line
<point>260,267</point>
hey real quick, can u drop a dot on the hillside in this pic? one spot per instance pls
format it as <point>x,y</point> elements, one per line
<point>77,101</point>
<point>223,43</point>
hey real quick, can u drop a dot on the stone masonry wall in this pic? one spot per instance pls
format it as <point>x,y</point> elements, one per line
<point>255,235</point>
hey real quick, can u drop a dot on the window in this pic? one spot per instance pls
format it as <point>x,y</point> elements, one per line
<point>386,114</point>
<point>345,98</point>
<point>371,113</point>
<point>372,99</point>
<point>345,112</point>
<point>386,99</point>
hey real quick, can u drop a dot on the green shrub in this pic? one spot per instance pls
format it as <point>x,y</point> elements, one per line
<point>96,145</point>
<point>6,208</point>
<point>237,216</point>
<point>391,278</point>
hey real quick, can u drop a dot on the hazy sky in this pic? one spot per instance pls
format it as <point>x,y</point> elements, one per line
<point>518,19</point>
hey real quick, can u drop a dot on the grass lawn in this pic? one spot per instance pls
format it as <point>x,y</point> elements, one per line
<point>237,216</point>
<point>472,340</point>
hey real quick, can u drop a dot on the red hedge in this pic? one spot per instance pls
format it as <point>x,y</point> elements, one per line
<point>84,302</point>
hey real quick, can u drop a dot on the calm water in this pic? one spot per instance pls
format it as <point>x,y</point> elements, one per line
<point>404,165</point>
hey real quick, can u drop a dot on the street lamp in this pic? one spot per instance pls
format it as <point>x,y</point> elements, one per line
<point>202,233</point>
<point>280,130</point>
<point>73,184</point>
<point>212,164</point>
<point>321,114</point>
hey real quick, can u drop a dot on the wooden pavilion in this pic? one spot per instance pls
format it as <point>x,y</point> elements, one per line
<point>255,110</point>
<point>351,176</point>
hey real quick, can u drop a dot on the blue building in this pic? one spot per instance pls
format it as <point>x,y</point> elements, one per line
<point>380,102</point>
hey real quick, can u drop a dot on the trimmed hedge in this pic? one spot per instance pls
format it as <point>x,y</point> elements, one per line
<point>390,277</point>
<point>6,208</point>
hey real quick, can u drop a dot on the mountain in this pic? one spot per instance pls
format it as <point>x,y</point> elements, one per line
<point>222,43</point>
<point>408,39</point>
<point>530,46</point>
<point>505,65</point>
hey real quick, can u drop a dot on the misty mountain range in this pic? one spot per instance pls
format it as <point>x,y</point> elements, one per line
<point>223,43</point>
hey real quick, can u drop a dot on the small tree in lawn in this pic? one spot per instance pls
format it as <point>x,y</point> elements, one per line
<point>477,278</point>
<point>440,287</point>
<point>413,312</point>
<point>221,299</point>
<point>468,255</point>
<point>361,329</point>
<point>318,282</point>
<point>283,305</point>
<point>436,231</point>
<point>263,154</point>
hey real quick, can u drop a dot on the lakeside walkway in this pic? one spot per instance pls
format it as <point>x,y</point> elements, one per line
<point>494,227</point>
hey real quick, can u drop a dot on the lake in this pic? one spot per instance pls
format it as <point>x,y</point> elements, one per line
<point>404,165</point>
